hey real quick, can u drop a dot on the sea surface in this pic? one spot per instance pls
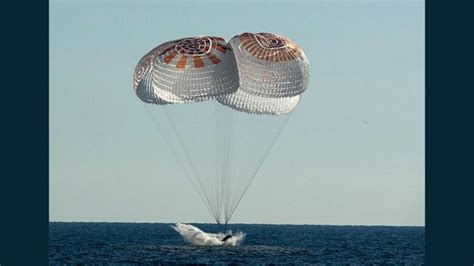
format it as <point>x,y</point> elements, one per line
<point>158,243</point>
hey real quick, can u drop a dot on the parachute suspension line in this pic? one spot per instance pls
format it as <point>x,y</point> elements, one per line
<point>180,163</point>
<point>220,133</point>
<point>216,161</point>
<point>219,159</point>
<point>227,165</point>
<point>223,123</point>
<point>192,125</point>
<point>200,193</point>
<point>258,167</point>
<point>220,146</point>
<point>229,120</point>
<point>213,212</point>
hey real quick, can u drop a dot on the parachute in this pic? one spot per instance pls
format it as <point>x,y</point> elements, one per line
<point>220,106</point>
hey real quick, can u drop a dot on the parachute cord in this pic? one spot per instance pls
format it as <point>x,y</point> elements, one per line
<point>207,202</point>
<point>213,212</point>
<point>225,118</point>
<point>180,163</point>
<point>221,147</point>
<point>219,137</point>
<point>229,149</point>
<point>256,170</point>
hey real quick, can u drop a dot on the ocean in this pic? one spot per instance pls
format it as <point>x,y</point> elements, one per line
<point>158,243</point>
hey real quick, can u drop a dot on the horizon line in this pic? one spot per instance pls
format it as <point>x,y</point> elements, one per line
<point>155,222</point>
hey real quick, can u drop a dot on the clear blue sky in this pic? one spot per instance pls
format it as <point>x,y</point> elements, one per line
<point>367,64</point>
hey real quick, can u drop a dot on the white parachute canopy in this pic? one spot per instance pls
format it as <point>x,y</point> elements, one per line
<point>221,106</point>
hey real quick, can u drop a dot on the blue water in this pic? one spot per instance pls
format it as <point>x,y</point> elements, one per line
<point>157,243</point>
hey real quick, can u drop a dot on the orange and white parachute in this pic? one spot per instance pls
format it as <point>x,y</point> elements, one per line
<point>260,73</point>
